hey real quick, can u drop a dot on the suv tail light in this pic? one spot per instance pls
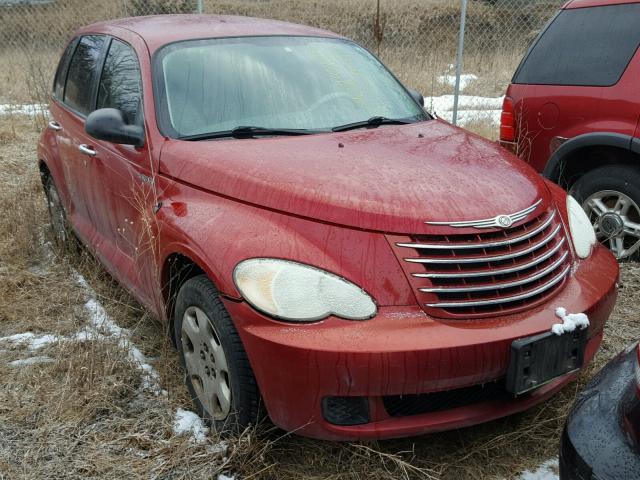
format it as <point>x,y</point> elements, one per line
<point>507,122</point>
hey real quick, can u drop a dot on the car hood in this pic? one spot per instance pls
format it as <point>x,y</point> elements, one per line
<point>389,179</point>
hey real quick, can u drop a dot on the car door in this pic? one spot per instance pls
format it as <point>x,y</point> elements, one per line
<point>126,197</point>
<point>54,128</point>
<point>68,116</point>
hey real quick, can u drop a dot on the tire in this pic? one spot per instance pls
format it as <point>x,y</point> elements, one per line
<point>611,197</point>
<point>207,342</point>
<point>60,231</point>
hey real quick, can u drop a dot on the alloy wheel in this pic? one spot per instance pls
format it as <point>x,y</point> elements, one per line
<point>206,363</point>
<point>616,221</point>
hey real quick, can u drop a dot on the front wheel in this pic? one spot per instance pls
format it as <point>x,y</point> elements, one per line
<point>218,374</point>
<point>611,198</point>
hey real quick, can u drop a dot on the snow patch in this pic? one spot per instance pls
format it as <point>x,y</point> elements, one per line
<point>100,328</point>
<point>465,102</point>
<point>32,341</point>
<point>465,80</point>
<point>471,108</point>
<point>547,471</point>
<point>18,338</point>
<point>25,109</point>
<point>222,476</point>
<point>99,321</point>
<point>30,361</point>
<point>190,423</point>
<point>570,321</point>
<point>42,341</point>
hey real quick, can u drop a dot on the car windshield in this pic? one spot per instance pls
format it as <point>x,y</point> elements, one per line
<point>278,82</point>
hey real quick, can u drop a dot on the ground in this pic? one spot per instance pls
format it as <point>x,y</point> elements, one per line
<point>95,390</point>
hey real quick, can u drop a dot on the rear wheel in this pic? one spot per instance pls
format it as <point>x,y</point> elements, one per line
<point>611,197</point>
<point>60,231</point>
<point>218,374</point>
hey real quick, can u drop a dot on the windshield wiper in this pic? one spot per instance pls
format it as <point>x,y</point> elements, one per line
<point>247,132</point>
<point>373,122</point>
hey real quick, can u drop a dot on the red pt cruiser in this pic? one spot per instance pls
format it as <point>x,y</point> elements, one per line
<point>312,238</point>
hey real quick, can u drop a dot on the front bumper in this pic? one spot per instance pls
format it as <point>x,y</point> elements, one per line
<point>594,445</point>
<point>403,352</point>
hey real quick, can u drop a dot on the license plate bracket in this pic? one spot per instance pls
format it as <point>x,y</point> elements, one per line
<point>542,358</point>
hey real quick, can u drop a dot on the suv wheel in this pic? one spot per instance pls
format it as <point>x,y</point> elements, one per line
<point>611,197</point>
<point>218,374</point>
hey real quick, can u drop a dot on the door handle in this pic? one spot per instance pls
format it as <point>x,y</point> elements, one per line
<point>87,150</point>
<point>53,125</point>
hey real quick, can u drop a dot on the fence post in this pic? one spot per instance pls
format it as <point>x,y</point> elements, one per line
<point>199,6</point>
<point>456,93</point>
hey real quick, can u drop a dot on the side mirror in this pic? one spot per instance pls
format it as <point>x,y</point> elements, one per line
<point>109,124</point>
<point>417,96</point>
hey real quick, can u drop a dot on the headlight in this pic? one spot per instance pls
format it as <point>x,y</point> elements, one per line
<point>297,292</point>
<point>584,238</point>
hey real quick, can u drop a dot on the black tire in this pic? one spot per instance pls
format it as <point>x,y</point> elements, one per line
<point>61,233</point>
<point>619,179</point>
<point>199,292</point>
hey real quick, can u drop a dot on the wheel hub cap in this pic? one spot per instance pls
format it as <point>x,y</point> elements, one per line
<point>611,224</point>
<point>616,221</point>
<point>206,363</point>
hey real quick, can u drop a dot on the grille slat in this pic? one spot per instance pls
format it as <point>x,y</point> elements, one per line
<point>477,303</point>
<point>491,273</point>
<point>498,286</point>
<point>488,273</point>
<point>495,258</point>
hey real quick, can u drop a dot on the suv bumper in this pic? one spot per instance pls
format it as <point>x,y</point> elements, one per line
<point>382,365</point>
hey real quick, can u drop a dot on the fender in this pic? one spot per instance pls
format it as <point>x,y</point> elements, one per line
<point>204,227</point>
<point>43,157</point>
<point>180,248</point>
<point>554,167</point>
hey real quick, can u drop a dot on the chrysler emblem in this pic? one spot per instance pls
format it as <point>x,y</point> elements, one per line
<point>504,221</point>
<point>501,221</point>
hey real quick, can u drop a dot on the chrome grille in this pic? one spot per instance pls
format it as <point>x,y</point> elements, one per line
<point>489,272</point>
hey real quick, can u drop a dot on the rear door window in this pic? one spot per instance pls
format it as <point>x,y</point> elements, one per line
<point>583,47</point>
<point>79,89</point>
<point>120,83</point>
<point>61,72</point>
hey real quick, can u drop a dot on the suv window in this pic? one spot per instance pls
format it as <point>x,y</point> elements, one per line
<point>120,84</point>
<point>584,47</point>
<point>61,72</point>
<point>78,92</point>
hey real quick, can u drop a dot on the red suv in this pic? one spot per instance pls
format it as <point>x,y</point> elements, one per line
<point>572,112</point>
<point>312,238</point>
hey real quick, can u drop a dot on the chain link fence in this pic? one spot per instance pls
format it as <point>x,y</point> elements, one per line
<point>417,39</point>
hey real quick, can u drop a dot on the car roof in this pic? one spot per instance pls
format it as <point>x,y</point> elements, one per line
<point>596,3</point>
<point>158,30</point>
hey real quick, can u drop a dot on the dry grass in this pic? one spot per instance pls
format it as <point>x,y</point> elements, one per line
<point>416,38</point>
<point>85,415</point>
<point>485,129</point>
